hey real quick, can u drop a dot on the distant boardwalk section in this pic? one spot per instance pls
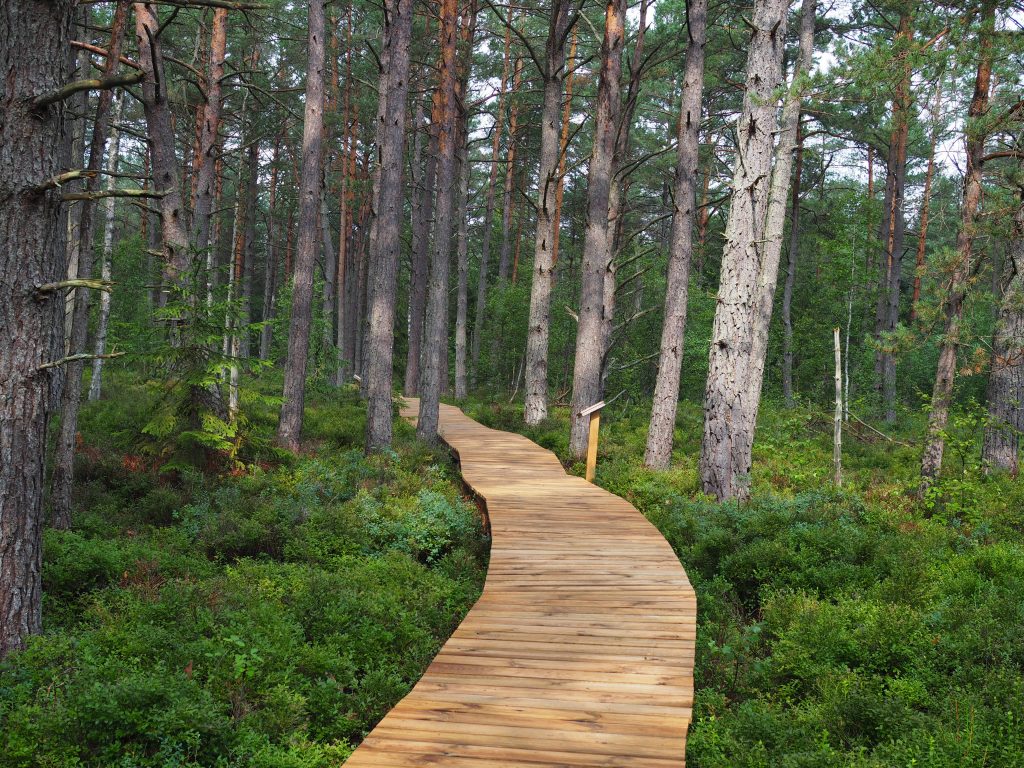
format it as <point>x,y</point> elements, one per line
<point>580,650</point>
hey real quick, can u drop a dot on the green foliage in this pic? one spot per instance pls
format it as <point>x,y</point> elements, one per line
<point>266,617</point>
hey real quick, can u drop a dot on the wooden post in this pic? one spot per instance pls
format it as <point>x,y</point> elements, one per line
<point>594,412</point>
<point>837,429</point>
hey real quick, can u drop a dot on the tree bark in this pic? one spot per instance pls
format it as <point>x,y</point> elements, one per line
<point>161,148</point>
<point>270,267</point>
<point>959,279</point>
<point>586,388</point>
<point>435,338</point>
<point>922,234</point>
<point>71,394</point>
<point>658,451</point>
<point>750,261</point>
<point>508,188</point>
<point>538,330</point>
<point>289,425</point>
<point>383,267</point>
<point>787,291</point>
<point>34,147</point>
<point>103,322</point>
<point>488,223</point>
<point>205,171</point>
<point>1001,445</point>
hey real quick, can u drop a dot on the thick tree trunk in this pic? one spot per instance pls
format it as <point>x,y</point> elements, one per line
<point>1001,446</point>
<point>34,147</point>
<point>161,148</point>
<point>383,268</point>
<point>658,452</point>
<point>586,388</point>
<point>953,302</point>
<point>467,32</point>
<point>71,394</point>
<point>103,322</point>
<point>435,337</point>
<point>488,223</point>
<point>750,261</point>
<point>787,290</point>
<point>538,330</point>
<point>289,425</point>
<point>205,170</point>
<point>422,215</point>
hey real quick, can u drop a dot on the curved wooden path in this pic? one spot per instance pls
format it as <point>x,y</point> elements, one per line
<point>580,649</point>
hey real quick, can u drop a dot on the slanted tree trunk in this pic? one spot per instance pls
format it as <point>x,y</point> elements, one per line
<point>289,427</point>
<point>959,279</point>
<point>383,268</point>
<point>34,147</point>
<point>1001,445</point>
<point>103,322</point>
<point>71,394</point>
<point>205,170</point>
<point>435,339</point>
<point>589,329</point>
<point>161,149</point>
<point>538,330</point>
<point>787,290</point>
<point>750,260</point>
<point>658,452</point>
<point>488,223</point>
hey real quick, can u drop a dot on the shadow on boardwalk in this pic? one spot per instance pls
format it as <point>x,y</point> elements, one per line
<point>580,649</point>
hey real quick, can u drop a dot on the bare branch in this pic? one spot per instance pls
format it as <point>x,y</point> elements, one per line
<point>90,84</point>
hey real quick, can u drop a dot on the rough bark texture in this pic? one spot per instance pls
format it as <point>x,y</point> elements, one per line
<point>787,290</point>
<point>34,147</point>
<point>422,215</point>
<point>750,260</point>
<point>289,425</point>
<point>71,395</point>
<point>658,452</point>
<point>103,322</point>
<point>536,407</point>
<point>161,147</point>
<point>1006,378</point>
<point>435,322</point>
<point>953,302</point>
<point>383,266</point>
<point>205,170</point>
<point>586,389</point>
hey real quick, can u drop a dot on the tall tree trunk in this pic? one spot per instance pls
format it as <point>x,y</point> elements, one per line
<point>161,148</point>
<point>750,260</point>
<point>787,291</point>
<point>71,394</point>
<point>103,322</point>
<point>330,258</point>
<point>893,225</point>
<point>205,170</point>
<point>270,266</point>
<point>488,224</point>
<point>589,329</point>
<point>289,425</point>
<point>563,143</point>
<point>538,330</point>
<point>34,147</point>
<point>959,279</point>
<point>435,338</point>
<point>508,189</point>
<point>422,215</point>
<point>383,268</point>
<point>922,234</point>
<point>1001,445</point>
<point>658,452</point>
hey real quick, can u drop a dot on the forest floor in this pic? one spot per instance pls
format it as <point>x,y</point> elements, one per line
<point>852,627</point>
<point>267,614</point>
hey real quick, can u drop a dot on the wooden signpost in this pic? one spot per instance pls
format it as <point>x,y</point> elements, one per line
<point>594,412</point>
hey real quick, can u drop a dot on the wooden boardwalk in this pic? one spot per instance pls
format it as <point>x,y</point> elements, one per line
<point>580,649</point>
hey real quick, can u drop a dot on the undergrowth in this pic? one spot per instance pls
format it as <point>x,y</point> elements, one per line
<point>265,616</point>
